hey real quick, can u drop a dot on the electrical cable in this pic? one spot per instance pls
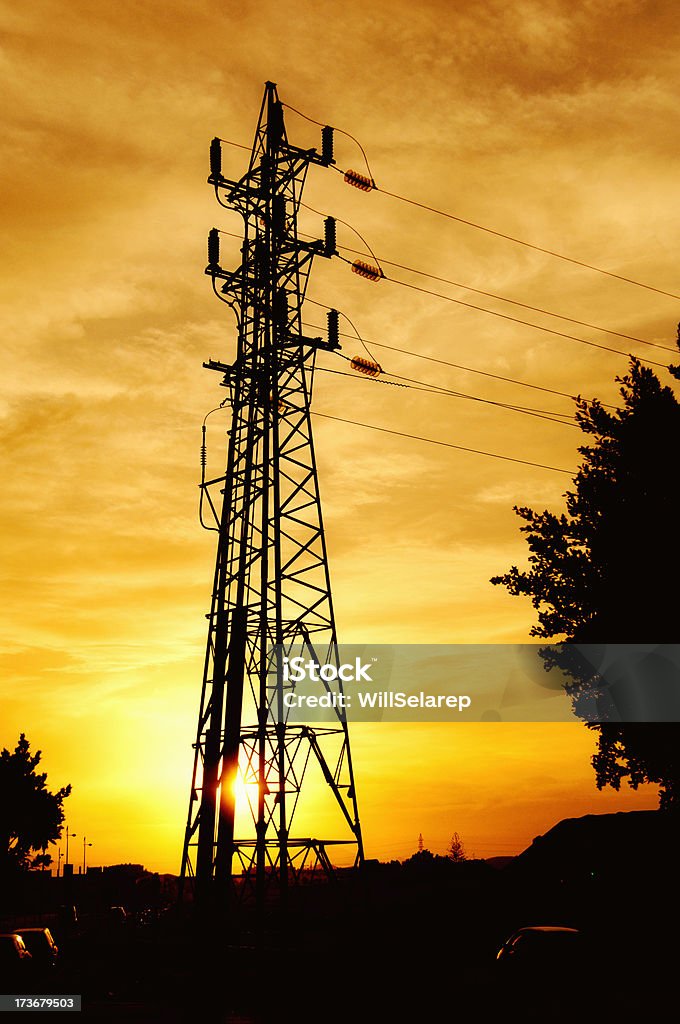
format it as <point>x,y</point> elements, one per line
<point>340,131</point>
<point>528,245</point>
<point>502,298</point>
<point>461,366</point>
<point>474,224</point>
<point>479,291</point>
<point>517,320</point>
<point>434,389</point>
<point>440,389</point>
<point>444,444</point>
<point>371,380</point>
<point>236,145</point>
<point>351,228</point>
<point>458,366</point>
<point>417,384</point>
<point>204,458</point>
<point>350,322</point>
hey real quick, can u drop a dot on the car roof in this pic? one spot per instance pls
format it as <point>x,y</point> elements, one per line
<point>547,928</point>
<point>34,931</point>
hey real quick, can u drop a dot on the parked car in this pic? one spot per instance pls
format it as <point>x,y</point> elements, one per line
<point>541,948</point>
<point>41,946</point>
<point>117,914</point>
<point>15,960</point>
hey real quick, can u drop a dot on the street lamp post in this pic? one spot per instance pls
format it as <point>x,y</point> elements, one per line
<point>73,836</point>
<point>59,862</point>
<point>85,843</point>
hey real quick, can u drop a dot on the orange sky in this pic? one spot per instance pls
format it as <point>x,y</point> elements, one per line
<point>554,124</point>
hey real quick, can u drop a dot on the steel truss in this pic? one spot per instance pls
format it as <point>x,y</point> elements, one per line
<point>271,589</point>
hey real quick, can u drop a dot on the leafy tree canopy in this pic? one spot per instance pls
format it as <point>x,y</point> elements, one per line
<point>606,570</point>
<point>31,816</point>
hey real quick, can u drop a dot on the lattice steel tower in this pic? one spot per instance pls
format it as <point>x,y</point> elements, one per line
<point>271,584</point>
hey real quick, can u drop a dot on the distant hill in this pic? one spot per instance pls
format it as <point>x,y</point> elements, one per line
<point>604,846</point>
<point>499,862</point>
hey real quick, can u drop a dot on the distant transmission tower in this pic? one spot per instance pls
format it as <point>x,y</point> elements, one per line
<point>421,845</point>
<point>271,584</point>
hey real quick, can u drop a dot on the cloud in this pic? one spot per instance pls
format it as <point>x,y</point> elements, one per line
<point>513,116</point>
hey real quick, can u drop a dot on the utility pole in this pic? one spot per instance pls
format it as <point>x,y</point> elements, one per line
<point>271,587</point>
<point>85,844</point>
<point>73,836</point>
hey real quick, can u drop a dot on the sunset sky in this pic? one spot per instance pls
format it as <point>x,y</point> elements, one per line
<point>553,122</point>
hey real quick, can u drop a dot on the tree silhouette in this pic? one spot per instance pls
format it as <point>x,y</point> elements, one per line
<point>456,850</point>
<point>607,569</point>
<point>30,816</point>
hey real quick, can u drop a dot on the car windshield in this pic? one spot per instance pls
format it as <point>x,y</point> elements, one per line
<point>37,940</point>
<point>11,942</point>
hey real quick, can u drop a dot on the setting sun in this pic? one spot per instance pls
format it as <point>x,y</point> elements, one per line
<point>518,121</point>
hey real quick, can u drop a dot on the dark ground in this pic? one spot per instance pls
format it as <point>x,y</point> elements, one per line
<point>391,944</point>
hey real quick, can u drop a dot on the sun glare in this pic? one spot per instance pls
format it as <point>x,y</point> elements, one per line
<point>245,793</point>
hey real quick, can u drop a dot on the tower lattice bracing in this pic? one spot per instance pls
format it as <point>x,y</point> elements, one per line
<point>271,589</point>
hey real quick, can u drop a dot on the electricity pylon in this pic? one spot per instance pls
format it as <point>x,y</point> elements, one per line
<point>271,589</point>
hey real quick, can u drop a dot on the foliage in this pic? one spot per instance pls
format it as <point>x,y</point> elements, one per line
<point>424,862</point>
<point>605,569</point>
<point>456,850</point>
<point>31,817</point>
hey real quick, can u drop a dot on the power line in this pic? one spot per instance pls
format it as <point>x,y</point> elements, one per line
<point>484,227</point>
<point>432,359</point>
<point>446,362</point>
<point>443,444</point>
<point>351,227</point>
<point>470,369</point>
<point>435,389</point>
<point>480,291</point>
<point>374,380</point>
<point>341,131</point>
<point>504,298</point>
<point>236,145</point>
<point>530,410</point>
<point>528,245</point>
<point>361,341</point>
<point>506,316</point>
<point>458,366</point>
<point>517,320</point>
